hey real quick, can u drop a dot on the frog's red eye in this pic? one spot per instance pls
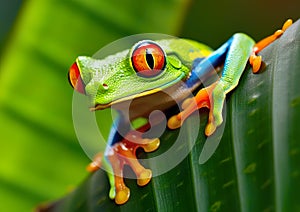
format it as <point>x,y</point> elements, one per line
<point>75,79</point>
<point>148,59</point>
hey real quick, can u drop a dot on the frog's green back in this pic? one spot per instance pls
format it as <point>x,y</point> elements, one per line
<point>206,50</point>
<point>187,50</point>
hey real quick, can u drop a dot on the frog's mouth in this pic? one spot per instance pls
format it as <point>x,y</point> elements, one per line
<point>127,98</point>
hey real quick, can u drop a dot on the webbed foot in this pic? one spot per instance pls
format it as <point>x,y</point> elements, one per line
<point>203,99</point>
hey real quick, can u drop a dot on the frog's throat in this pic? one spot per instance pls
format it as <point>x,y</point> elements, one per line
<point>134,96</point>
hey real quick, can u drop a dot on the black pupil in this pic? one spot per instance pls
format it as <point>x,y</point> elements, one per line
<point>149,59</point>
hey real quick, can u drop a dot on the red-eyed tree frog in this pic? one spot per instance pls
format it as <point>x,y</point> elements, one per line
<point>142,75</point>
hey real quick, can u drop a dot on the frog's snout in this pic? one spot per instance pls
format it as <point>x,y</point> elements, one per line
<point>75,79</point>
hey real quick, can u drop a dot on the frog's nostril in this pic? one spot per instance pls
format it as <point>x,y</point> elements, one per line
<point>75,79</point>
<point>105,86</point>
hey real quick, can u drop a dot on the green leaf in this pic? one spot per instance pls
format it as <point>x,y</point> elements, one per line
<point>256,166</point>
<point>40,155</point>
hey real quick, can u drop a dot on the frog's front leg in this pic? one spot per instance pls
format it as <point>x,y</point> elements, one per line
<point>121,151</point>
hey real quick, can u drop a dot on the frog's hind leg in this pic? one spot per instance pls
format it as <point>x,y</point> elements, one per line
<point>255,60</point>
<point>237,51</point>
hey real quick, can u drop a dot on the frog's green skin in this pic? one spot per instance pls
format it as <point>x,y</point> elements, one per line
<point>113,81</point>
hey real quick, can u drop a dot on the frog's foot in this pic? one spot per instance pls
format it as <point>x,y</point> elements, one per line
<point>124,153</point>
<point>95,164</point>
<point>255,60</point>
<point>211,97</point>
<point>201,100</point>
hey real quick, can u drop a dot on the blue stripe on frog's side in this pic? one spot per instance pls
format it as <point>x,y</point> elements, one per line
<point>203,67</point>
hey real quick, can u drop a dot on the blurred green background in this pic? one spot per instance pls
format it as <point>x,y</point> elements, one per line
<point>40,157</point>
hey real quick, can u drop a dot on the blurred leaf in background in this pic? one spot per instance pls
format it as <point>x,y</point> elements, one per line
<point>213,22</point>
<point>40,156</point>
<point>8,13</point>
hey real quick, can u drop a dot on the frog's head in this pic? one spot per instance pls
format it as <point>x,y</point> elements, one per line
<point>146,68</point>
